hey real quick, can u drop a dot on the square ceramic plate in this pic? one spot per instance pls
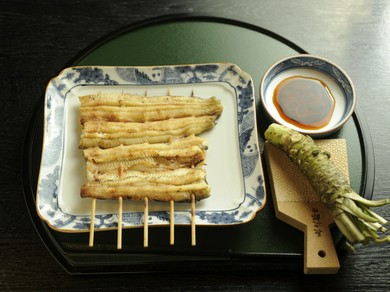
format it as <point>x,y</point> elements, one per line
<point>234,170</point>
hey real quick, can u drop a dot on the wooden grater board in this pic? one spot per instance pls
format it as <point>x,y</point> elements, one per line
<point>298,205</point>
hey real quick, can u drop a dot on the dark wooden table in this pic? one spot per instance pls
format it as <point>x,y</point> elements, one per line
<point>38,38</point>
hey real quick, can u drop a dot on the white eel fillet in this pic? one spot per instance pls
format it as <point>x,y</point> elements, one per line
<point>166,185</point>
<point>139,147</point>
<point>111,134</point>
<point>134,108</point>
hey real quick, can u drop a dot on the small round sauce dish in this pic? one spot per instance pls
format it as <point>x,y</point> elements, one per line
<point>308,94</point>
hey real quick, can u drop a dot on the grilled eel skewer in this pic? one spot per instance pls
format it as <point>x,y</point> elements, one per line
<point>166,185</point>
<point>112,134</point>
<point>139,147</point>
<point>134,108</point>
<point>161,172</point>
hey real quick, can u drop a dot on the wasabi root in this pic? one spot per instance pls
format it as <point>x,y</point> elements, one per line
<point>350,211</point>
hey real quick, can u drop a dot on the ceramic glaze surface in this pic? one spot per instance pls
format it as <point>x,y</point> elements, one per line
<point>233,168</point>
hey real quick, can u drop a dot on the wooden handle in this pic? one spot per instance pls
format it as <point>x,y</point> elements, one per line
<point>320,255</point>
<point>313,218</point>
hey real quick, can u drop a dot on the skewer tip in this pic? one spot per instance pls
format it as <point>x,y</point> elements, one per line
<point>92,223</point>
<point>172,222</point>
<point>146,222</point>
<point>119,240</point>
<point>193,225</point>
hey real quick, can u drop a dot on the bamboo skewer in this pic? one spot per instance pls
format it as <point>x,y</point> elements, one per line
<point>92,224</point>
<point>193,226</point>
<point>146,222</point>
<point>146,212</point>
<point>171,209</point>
<point>120,207</point>
<point>172,222</point>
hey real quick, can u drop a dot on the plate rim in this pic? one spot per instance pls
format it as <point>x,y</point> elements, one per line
<point>244,78</point>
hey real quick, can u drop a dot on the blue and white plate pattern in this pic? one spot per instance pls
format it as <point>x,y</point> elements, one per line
<point>225,77</point>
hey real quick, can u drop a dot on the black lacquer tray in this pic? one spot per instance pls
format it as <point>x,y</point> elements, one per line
<point>264,243</point>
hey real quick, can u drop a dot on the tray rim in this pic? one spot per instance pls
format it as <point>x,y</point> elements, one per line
<point>281,261</point>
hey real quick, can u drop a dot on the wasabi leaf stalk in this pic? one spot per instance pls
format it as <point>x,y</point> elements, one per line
<point>350,211</point>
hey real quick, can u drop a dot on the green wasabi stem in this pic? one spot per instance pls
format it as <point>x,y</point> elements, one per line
<point>350,211</point>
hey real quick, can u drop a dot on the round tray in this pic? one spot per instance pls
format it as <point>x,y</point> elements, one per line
<point>263,243</point>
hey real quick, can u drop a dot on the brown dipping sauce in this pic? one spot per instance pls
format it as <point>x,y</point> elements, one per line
<point>304,102</point>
